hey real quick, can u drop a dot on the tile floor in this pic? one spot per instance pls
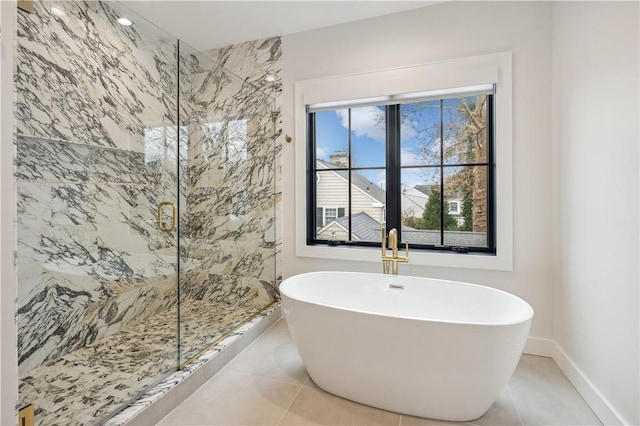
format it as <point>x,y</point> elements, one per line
<point>267,384</point>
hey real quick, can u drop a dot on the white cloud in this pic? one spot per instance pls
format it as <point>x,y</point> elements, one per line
<point>408,158</point>
<point>412,177</point>
<point>370,121</point>
<point>408,129</point>
<point>382,179</point>
<point>365,121</point>
<point>321,153</point>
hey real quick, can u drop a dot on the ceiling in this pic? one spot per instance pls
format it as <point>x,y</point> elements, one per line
<point>210,24</point>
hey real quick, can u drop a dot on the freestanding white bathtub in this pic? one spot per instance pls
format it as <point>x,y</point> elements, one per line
<point>418,346</point>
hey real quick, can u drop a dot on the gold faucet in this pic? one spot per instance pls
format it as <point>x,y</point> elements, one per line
<point>390,263</point>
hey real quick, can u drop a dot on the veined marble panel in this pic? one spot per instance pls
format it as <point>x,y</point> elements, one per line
<point>259,63</point>
<point>254,61</point>
<point>43,161</point>
<point>86,79</point>
<point>231,167</point>
<point>210,147</point>
<point>230,224</point>
<point>75,305</point>
<point>166,385</point>
<point>229,271</point>
<point>97,104</point>
<point>88,250</point>
<point>89,385</point>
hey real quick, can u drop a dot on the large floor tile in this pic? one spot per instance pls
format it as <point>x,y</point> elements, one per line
<point>235,398</point>
<point>272,355</point>
<point>313,406</point>
<point>262,387</point>
<point>419,421</point>
<point>501,413</point>
<point>543,395</point>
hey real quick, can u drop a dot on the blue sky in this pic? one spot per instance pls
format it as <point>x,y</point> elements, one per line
<point>368,141</point>
<point>420,138</point>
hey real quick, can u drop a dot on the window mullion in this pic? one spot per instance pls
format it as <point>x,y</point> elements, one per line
<point>311,178</point>
<point>442,212</point>
<point>350,161</point>
<point>393,190</point>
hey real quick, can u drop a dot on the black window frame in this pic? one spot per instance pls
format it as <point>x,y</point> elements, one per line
<point>393,168</point>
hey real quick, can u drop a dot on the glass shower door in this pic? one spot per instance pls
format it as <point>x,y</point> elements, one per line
<point>132,149</point>
<point>227,202</point>
<point>96,172</point>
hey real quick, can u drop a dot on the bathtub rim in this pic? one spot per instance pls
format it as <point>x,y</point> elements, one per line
<point>521,319</point>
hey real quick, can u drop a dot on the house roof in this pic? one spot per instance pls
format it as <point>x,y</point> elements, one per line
<point>425,189</point>
<point>359,181</point>
<point>451,238</point>
<point>363,226</point>
<point>366,228</point>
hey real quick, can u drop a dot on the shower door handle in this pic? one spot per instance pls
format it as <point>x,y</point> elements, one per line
<point>174,218</point>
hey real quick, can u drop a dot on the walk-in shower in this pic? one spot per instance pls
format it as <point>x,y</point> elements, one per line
<point>145,216</point>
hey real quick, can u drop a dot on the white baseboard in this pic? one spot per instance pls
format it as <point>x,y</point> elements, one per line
<point>607,414</point>
<point>539,346</point>
<point>596,401</point>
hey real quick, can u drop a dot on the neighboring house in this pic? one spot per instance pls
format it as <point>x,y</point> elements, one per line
<point>415,198</point>
<point>363,226</point>
<point>367,203</point>
<point>366,228</point>
<point>332,196</point>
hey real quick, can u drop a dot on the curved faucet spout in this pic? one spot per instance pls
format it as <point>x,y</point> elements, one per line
<point>393,242</point>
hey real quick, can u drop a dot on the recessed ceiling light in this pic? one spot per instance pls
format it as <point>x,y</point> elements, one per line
<point>57,11</point>
<point>124,21</point>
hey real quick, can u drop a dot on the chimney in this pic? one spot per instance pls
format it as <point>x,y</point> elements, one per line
<point>339,158</point>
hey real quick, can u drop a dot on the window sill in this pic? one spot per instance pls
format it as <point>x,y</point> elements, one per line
<point>496,262</point>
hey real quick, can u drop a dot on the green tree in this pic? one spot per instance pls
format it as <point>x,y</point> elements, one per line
<point>467,211</point>
<point>463,141</point>
<point>431,215</point>
<point>413,222</point>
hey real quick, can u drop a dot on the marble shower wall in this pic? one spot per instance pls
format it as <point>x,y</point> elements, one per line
<point>95,154</point>
<point>230,207</point>
<point>84,78</point>
<point>258,63</point>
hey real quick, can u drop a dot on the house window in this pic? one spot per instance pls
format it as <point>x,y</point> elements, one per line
<point>326,215</point>
<point>454,207</point>
<point>330,214</point>
<point>397,162</point>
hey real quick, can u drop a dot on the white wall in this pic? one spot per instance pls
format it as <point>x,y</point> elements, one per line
<point>595,136</point>
<point>447,31</point>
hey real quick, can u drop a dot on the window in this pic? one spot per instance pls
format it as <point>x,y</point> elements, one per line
<point>330,214</point>
<point>381,87</point>
<point>454,207</point>
<point>325,215</point>
<point>397,162</point>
